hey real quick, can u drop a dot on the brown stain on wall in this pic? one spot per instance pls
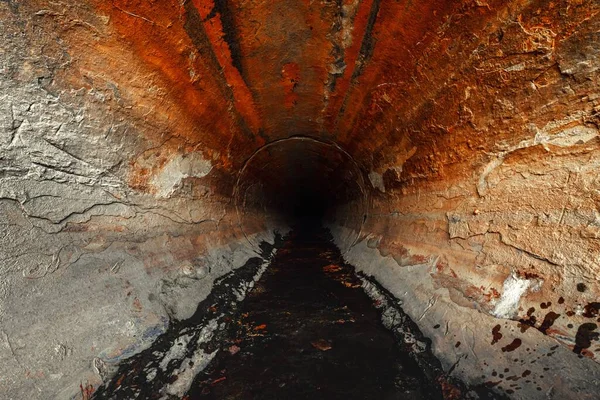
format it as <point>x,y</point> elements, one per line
<point>165,67</point>
<point>290,79</point>
<point>496,335</point>
<point>512,346</point>
<point>221,65</point>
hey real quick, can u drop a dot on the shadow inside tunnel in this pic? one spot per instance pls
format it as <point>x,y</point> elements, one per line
<point>308,330</point>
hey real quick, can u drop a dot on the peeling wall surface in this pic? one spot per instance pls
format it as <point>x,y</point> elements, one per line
<point>474,127</point>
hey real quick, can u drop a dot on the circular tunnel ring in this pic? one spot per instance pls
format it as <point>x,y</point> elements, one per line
<point>282,175</point>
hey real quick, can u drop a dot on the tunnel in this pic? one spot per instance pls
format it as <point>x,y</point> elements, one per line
<point>301,182</point>
<point>300,199</point>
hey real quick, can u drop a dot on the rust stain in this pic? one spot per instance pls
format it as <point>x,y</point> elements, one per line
<point>212,21</point>
<point>548,322</point>
<point>137,305</point>
<point>86,391</point>
<point>168,82</point>
<point>290,79</point>
<point>515,344</point>
<point>351,53</point>
<point>226,77</point>
<point>496,335</point>
<point>491,294</point>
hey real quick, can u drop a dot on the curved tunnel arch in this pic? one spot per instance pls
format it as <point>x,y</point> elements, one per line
<point>474,126</point>
<point>301,179</point>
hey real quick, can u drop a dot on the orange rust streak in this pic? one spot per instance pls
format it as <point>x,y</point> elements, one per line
<point>275,33</point>
<point>243,99</point>
<point>350,56</point>
<point>148,54</point>
<point>168,51</point>
<point>396,23</point>
<point>398,89</point>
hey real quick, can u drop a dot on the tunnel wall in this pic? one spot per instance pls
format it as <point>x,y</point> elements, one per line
<point>114,220</point>
<point>484,180</point>
<point>507,279</point>
<point>93,272</point>
<point>124,124</point>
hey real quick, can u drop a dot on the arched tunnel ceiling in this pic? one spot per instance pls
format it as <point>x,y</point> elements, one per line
<point>125,123</point>
<point>299,180</point>
<point>435,85</point>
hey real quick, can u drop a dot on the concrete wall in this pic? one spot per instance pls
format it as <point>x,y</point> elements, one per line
<point>123,126</point>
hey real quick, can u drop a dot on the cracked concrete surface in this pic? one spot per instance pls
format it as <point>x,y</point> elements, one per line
<point>91,270</point>
<point>124,124</point>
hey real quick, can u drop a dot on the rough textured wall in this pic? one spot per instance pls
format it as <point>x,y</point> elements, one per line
<point>124,124</point>
<point>485,208</point>
<point>115,214</point>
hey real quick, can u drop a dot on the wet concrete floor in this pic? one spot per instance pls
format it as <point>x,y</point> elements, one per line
<point>308,330</point>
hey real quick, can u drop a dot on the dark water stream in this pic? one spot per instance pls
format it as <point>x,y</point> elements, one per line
<point>308,330</point>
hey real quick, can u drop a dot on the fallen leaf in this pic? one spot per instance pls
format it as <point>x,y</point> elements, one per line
<point>233,349</point>
<point>343,321</point>
<point>221,379</point>
<point>332,268</point>
<point>321,344</point>
<point>260,327</point>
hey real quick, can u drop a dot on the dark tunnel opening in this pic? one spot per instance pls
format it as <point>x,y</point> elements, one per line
<point>301,308</point>
<point>301,182</point>
<point>181,180</point>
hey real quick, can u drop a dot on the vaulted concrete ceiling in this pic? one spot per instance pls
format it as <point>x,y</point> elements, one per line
<point>474,123</point>
<point>427,87</point>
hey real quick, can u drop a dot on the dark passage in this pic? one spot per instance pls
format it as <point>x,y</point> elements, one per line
<point>308,330</point>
